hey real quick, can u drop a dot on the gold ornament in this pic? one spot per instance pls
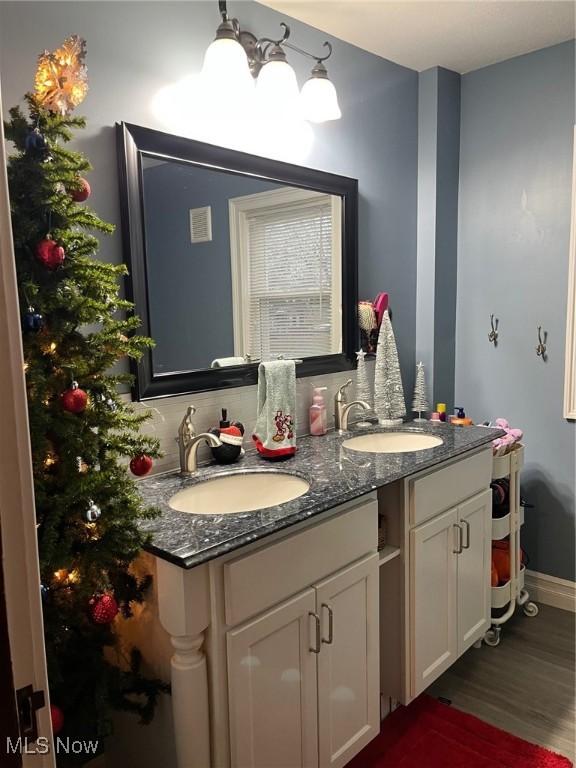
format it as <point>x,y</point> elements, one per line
<point>61,78</point>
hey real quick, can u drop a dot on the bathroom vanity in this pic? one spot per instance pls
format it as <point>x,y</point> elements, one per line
<point>293,630</point>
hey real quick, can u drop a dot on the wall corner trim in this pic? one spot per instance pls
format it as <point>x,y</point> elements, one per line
<point>550,590</point>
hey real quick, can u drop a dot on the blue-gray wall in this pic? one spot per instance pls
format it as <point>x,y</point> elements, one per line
<point>515,179</point>
<point>136,48</point>
<point>190,285</point>
<point>438,165</point>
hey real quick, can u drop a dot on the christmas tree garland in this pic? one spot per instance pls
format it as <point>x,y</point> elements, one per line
<point>88,508</point>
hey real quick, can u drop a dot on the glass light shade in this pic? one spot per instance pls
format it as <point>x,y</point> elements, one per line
<point>319,100</point>
<point>226,68</point>
<point>277,90</point>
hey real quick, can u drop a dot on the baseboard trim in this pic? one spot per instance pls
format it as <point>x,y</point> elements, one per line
<point>550,590</point>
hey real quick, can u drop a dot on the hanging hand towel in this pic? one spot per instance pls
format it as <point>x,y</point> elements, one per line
<point>275,430</point>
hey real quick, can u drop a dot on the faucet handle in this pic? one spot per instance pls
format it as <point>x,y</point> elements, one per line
<point>187,430</point>
<point>341,393</point>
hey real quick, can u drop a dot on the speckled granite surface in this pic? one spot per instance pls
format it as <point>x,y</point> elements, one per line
<point>335,474</point>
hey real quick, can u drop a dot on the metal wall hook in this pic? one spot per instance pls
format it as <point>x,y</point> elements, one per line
<point>493,335</point>
<point>541,348</point>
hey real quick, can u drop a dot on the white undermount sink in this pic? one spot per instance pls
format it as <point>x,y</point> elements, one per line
<point>392,442</point>
<point>239,492</point>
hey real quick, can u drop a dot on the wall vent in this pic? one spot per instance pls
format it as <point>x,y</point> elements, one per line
<point>201,224</point>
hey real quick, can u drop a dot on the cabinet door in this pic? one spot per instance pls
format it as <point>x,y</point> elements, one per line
<point>475,519</point>
<point>348,664</point>
<point>272,688</point>
<point>433,572</point>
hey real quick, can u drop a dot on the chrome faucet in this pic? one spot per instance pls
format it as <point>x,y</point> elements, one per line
<point>342,408</point>
<point>340,403</point>
<point>191,451</point>
<point>186,432</point>
<point>188,442</point>
<point>346,411</point>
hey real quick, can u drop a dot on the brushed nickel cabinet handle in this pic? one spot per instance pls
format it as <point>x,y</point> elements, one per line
<point>458,551</point>
<point>330,624</point>
<point>466,525</point>
<point>317,637</point>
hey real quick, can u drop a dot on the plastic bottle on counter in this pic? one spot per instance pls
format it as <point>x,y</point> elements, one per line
<point>318,413</point>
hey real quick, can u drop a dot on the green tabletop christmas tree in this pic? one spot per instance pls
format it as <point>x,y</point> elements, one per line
<point>75,328</point>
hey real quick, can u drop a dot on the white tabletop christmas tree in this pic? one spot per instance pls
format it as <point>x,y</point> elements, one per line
<point>419,401</point>
<point>389,402</point>
<point>363,388</point>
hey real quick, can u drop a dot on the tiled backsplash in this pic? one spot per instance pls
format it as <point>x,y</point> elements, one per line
<point>167,413</point>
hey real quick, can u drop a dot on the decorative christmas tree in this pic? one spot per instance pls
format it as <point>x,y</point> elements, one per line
<point>363,388</point>
<point>389,402</point>
<point>419,401</point>
<point>87,506</point>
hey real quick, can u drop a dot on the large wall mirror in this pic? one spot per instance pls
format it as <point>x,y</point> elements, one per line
<point>234,259</point>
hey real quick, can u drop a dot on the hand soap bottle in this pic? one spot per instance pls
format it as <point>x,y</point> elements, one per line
<point>318,412</point>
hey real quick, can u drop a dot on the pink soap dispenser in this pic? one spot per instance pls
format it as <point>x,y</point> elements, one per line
<point>318,412</point>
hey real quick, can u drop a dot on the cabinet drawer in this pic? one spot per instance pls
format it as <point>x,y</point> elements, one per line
<point>433,493</point>
<point>268,576</point>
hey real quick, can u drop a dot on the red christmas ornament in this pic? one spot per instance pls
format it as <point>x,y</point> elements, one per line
<point>81,193</point>
<point>141,465</point>
<point>57,717</point>
<point>103,609</point>
<point>74,400</point>
<point>50,254</point>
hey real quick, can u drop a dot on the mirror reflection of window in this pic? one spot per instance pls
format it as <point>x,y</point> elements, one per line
<point>286,273</point>
<point>238,267</point>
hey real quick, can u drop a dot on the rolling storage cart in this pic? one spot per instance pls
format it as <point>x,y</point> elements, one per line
<point>512,593</point>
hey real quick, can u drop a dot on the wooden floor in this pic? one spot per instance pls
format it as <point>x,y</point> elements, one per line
<point>526,685</point>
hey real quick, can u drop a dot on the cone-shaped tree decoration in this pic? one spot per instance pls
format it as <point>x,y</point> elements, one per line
<point>389,402</point>
<point>363,388</point>
<point>87,506</point>
<point>419,401</point>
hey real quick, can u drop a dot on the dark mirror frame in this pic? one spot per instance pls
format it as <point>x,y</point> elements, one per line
<point>133,141</point>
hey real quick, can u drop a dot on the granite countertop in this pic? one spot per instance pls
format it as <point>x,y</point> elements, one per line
<point>335,475</point>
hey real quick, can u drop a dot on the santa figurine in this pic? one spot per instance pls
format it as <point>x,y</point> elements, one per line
<point>231,435</point>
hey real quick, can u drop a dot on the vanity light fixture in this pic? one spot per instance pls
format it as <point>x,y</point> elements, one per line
<point>235,52</point>
<point>276,85</point>
<point>225,68</point>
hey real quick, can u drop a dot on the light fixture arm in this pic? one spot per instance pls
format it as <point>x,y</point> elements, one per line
<point>318,59</point>
<point>281,41</point>
<point>223,9</point>
<point>266,49</point>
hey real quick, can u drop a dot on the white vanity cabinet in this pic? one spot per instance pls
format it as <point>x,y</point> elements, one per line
<point>435,597</point>
<point>280,645</point>
<point>303,677</point>
<point>273,687</point>
<point>288,651</point>
<point>449,587</point>
<point>348,663</point>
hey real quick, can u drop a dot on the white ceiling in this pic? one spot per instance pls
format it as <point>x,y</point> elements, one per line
<point>461,35</point>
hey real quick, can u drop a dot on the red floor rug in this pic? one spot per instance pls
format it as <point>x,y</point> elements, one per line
<point>428,734</point>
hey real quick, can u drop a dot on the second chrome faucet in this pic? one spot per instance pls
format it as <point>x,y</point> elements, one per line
<point>342,408</point>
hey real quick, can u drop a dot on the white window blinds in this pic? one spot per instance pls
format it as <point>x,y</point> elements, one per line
<point>289,280</point>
